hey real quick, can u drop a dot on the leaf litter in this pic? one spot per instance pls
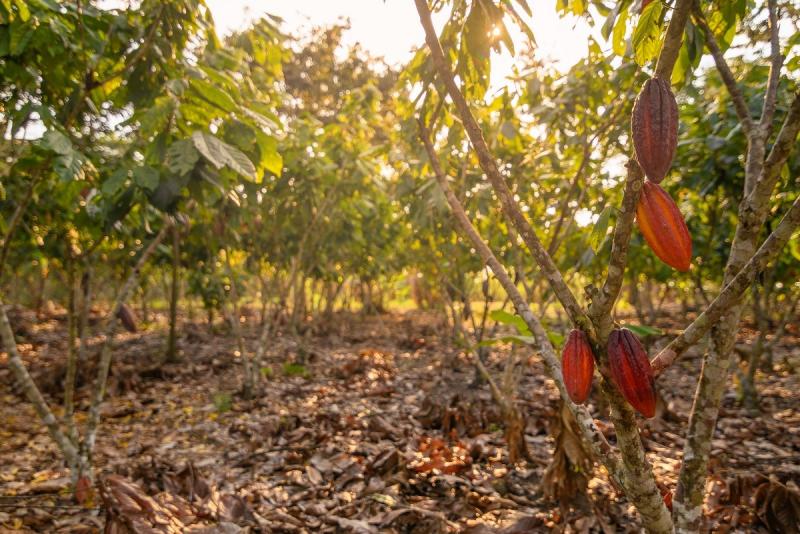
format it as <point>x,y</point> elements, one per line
<point>364,424</point>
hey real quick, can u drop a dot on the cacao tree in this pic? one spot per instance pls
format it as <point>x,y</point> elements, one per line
<point>658,45</point>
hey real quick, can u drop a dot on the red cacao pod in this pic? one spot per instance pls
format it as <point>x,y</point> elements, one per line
<point>663,227</point>
<point>127,318</point>
<point>654,126</point>
<point>631,372</point>
<point>577,366</point>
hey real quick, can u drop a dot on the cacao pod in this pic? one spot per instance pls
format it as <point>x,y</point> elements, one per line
<point>631,371</point>
<point>663,227</point>
<point>577,366</point>
<point>127,318</point>
<point>654,125</point>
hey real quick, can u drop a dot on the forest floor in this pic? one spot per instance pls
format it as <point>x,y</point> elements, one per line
<point>370,424</point>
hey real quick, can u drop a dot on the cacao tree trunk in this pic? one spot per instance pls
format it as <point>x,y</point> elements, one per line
<point>86,307</point>
<point>172,354</point>
<point>762,171</point>
<point>72,355</point>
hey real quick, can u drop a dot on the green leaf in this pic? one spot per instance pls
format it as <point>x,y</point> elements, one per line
<point>794,245</point>
<point>57,142</point>
<point>221,154</point>
<point>114,182</point>
<point>507,318</point>
<point>22,10</point>
<point>20,35</point>
<point>181,157</point>
<point>643,331</point>
<point>518,339</point>
<point>600,229</point>
<point>618,36</point>
<point>555,338</point>
<point>271,160</point>
<point>647,34</point>
<point>213,95</point>
<point>146,177</point>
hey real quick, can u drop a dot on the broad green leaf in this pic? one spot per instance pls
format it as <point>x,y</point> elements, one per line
<point>519,339</point>
<point>555,338</point>
<point>221,154</point>
<point>507,318</point>
<point>181,157</point>
<point>794,245</point>
<point>643,330</point>
<point>146,177</point>
<point>21,33</point>
<point>57,142</point>
<point>647,34</point>
<point>600,229</point>
<point>213,95</point>
<point>618,36</point>
<point>114,182</point>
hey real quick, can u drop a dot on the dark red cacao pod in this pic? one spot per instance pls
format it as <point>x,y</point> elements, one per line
<point>654,126</point>
<point>577,366</point>
<point>631,371</point>
<point>127,318</point>
<point>663,227</point>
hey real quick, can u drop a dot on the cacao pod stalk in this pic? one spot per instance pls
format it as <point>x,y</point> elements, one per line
<point>654,125</point>
<point>631,372</point>
<point>663,227</point>
<point>577,366</point>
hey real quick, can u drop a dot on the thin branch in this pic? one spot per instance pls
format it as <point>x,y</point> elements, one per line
<point>32,392</point>
<point>776,63</point>
<point>781,149</point>
<point>739,103</point>
<point>489,166</point>
<point>17,216</point>
<point>603,302</point>
<point>104,364</point>
<point>731,293</point>
<point>599,445</point>
<point>674,39</point>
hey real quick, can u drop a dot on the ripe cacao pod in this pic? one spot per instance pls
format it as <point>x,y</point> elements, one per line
<point>577,366</point>
<point>654,126</point>
<point>127,318</point>
<point>631,371</point>
<point>663,227</point>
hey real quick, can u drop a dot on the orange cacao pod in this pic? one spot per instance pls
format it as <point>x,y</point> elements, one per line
<point>631,371</point>
<point>127,318</point>
<point>654,126</point>
<point>663,227</point>
<point>577,366</point>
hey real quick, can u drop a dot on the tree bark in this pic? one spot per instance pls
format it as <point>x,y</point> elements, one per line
<point>172,350</point>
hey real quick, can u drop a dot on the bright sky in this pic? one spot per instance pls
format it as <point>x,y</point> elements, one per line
<point>391,28</point>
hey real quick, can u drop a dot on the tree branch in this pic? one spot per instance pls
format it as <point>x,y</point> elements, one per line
<point>731,293</point>
<point>739,103</point>
<point>11,226</point>
<point>603,301</point>
<point>32,392</point>
<point>599,445</point>
<point>779,153</point>
<point>776,63</point>
<point>489,166</point>
<point>674,39</point>
<point>105,355</point>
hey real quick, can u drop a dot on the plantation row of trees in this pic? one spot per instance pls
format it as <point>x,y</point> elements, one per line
<point>147,159</point>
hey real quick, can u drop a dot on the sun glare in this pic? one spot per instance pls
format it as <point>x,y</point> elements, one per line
<point>392,30</point>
